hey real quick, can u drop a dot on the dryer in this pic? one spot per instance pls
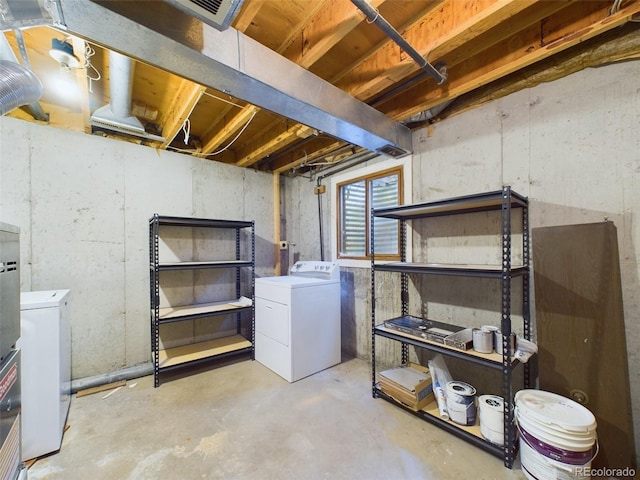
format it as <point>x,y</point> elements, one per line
<point>297,320</point>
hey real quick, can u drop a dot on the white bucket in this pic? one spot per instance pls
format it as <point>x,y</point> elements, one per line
<point>491,415</point>
<point>557,436</point>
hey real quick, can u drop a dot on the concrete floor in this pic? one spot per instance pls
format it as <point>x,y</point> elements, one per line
<point>242,421</point>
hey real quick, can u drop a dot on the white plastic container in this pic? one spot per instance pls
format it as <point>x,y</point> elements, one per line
<point>557,436</point>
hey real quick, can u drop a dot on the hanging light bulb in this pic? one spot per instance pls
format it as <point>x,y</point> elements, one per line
<point>62,52</point>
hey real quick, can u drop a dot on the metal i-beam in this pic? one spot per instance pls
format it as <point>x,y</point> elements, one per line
<point>235,64</point>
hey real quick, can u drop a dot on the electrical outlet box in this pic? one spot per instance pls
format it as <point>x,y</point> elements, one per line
<point>284,244</point>
<point>319,189</point>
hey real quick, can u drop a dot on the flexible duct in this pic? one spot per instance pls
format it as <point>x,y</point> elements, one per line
<point>18,86</point>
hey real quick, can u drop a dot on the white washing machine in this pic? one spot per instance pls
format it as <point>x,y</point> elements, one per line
<point>298,320</point>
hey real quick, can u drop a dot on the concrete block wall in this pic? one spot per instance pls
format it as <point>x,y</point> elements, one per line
<point>572,146</point>
<point>83,205</point>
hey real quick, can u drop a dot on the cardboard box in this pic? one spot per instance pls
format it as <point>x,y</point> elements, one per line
<point>409,384</point>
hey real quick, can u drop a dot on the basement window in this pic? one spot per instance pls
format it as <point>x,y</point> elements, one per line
<point>355,199</point>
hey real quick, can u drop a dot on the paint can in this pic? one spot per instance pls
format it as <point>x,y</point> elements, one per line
<point>498,342</point>
<point>461,403</point>
<point>491,416</point>
<point>482,340</point>
<point>557,435</point>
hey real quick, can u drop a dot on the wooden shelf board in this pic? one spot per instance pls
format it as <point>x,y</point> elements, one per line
<point>199,309</point>
<point>197,351</point>
<point>492,357</point>
<point>433,410</point>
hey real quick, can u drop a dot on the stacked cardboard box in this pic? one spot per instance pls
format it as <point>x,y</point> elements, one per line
<point>409,384</point>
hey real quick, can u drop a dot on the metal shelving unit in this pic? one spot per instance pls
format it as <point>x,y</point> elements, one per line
<point>242,342</point>
<point>503,200</point>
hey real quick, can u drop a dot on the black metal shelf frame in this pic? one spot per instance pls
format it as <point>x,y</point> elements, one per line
<point>237,263</point>
<point>503,200</point>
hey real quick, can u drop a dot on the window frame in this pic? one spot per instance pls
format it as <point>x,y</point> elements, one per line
<point>368,180</point>
<point>370,171</point>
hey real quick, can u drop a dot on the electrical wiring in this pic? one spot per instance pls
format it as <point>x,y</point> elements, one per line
<point>222,99</point>
<point>187,119</point>
<point>88,53</point>
<point>186,128</point>
<point>232,141</point>
<point>615,8</point>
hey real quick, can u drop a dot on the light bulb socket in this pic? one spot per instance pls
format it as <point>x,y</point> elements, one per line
<point>62,52</point>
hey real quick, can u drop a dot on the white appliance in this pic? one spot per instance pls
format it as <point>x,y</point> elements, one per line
<point>46,370</point>
<point>298,320</point>
<point>10,366</point>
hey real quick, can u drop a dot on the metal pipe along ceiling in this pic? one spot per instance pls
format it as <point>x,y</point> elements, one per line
<point>373,16</point>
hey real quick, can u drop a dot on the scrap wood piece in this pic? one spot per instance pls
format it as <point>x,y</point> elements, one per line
<point>100,388</point>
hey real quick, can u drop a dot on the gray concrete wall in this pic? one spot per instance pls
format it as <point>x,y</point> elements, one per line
<point>83,205</point>
<point>572,146</point>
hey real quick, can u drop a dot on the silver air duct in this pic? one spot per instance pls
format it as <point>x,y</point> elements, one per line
<point>18,86</point>
<point>116,116</point>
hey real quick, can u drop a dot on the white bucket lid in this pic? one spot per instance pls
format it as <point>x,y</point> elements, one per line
<point>554,410</point>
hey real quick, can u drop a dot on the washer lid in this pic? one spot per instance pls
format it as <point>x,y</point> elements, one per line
<point>42,299</point>
<point>552,409</point>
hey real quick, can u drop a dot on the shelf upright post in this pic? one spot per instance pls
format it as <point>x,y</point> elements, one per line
<point>154,257</point>
<point>373,308</point>
<point>505,327</point>
<point>530,371</point>
<point>238,256</point>
<point>404,287</point>
<point>253,290</point>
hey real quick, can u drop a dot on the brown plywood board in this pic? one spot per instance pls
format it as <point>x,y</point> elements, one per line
<point>581,331</point>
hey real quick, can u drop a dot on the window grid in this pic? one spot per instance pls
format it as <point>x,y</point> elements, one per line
<point>356,197</point>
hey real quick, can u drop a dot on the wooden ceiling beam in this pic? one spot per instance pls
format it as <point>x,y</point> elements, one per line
<point>314,42</point>
<point>238,121</point>
<point>555,34</point>
<point>343,17</point>
<point>613,46</point>
<point>185,98</point>
<point>318,148</point>
<point>268,144</point>
<point>326,29</point>
<point>248,12</point>
<point>295,34</point>
<point>440,33</point>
